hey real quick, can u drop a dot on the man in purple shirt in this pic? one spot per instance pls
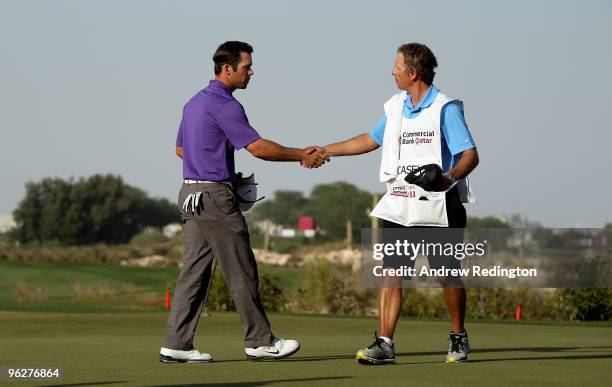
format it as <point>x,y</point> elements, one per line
<point>214,125</point>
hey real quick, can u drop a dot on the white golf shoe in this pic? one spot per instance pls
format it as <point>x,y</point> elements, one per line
<point>279,349</point>
<point>167,355</point>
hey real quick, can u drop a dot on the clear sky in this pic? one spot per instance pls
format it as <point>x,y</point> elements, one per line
<point>98,87</point>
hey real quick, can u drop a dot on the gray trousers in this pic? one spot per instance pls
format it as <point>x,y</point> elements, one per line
<point>216,229</point>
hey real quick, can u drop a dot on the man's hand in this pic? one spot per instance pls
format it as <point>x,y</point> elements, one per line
<point>430,177</point>
<point>443,184</point>
<point>310,157</point>
<point>313,157</point>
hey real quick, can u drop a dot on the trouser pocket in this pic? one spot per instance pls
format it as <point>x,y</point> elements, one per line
<point>225,200</point>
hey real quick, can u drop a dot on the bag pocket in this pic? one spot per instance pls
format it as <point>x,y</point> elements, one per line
<point>427,213</point>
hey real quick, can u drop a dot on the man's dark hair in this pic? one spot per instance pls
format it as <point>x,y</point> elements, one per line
<point>229,53</point>
<point>418,57</point>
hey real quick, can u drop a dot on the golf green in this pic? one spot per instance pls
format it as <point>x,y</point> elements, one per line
<point>122,350</point>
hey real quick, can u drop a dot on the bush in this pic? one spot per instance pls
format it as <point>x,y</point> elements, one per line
<point>333,288</point>
<point>495,304</point>
<point>423,303</point>
<point>270,292</point>
<point>500,304</point>
<point>98,291</point>
<point>6,238</point>
<point>286,245</point>
<point>149,236</point>
<point>219,298</point>
<point>26,294</point>
<point>84,254</point>
<point>585,304</point>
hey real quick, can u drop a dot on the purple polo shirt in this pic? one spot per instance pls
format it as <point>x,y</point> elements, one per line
<point>213,126</point>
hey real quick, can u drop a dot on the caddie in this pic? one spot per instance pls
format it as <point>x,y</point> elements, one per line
<point>214,125</point>
<point>427,154</point>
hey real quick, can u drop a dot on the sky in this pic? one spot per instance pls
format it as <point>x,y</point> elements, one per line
<point>98,86</point>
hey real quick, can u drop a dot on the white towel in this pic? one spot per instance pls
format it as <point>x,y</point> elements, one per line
<point>394,110</point>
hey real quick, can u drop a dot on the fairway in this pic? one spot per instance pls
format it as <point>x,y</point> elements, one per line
<point>122,350</point>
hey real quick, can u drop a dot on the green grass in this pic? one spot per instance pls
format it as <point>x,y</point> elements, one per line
<point>121,349</point>
<point>122,288</point>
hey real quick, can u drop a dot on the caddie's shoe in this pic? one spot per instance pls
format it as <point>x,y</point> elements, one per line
<point>379,353</point>
<point>458,348</point>
<point>279,349</point>
<point>167,355</point>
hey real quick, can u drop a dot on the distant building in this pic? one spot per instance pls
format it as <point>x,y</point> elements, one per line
<point>266,226</point>
<point>307,226</point>
<point>306,223</point>
<point>288,233</point>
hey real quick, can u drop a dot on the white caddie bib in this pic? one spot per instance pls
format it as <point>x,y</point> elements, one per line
<point>419,142</point>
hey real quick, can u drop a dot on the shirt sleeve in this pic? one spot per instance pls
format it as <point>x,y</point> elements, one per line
<point>455,130</point>
<point>179,135</point>
<point>233,121</point>
<point>378,133</point>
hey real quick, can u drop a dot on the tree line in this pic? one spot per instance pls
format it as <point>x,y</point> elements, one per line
<point>332,205</point>
<point>101,208</point>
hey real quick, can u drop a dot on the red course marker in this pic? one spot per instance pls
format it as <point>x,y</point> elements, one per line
<point>518,312</point>
<point>168,299</point>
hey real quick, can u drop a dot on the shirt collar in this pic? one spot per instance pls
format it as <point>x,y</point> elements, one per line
<point>219,85</point>
<point>429,98</point>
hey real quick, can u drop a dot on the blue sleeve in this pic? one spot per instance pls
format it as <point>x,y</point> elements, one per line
<point>455,130</point>
<point>378,133</point>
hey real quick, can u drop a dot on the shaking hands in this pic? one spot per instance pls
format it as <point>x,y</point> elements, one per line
<point>313,157</point>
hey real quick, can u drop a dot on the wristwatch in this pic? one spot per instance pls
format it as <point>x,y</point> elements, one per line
<point>450,178</point>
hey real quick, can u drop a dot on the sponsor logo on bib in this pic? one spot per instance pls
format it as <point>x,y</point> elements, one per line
<point>417,137</point>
